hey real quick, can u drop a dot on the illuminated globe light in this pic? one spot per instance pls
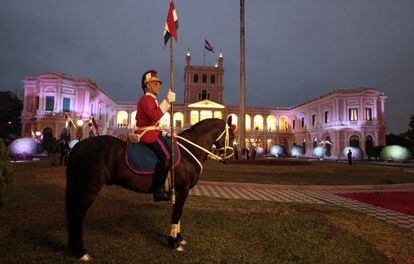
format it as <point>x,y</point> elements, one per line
<point>277,150</point>
<point>395,153</point>
<point>318,152</point>
<point>296,151</point>
<point>259,150</point>
<point>356,152</point>
<point>72,143</point>
<point>23,147</point>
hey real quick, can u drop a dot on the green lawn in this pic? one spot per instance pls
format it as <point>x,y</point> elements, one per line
<point>316,173</point>
<point>125,227</point>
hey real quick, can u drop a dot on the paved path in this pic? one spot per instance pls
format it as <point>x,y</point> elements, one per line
<point>309,194</point>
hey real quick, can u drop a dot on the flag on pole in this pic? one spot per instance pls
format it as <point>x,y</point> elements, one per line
<point>208,46</point>
<point>68,121</point>
<point>171,25</point>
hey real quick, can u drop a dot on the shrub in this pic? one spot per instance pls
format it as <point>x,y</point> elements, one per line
<point>6,174</point>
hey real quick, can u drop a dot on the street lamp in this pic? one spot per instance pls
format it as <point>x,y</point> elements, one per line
<point>79,129</point>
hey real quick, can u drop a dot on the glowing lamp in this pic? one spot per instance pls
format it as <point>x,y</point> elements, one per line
<point>72,143</point>
<point>23,147</point>
<point>38,133</point>
<point>395,153</point>
<point>318,152</point>
<point>356,152</point>
<point>296,151</point>
<point>259,150</point>
<point>277,150</point>
<point>79,123</point>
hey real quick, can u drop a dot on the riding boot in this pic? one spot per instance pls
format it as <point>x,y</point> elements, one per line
<point>159,181</point>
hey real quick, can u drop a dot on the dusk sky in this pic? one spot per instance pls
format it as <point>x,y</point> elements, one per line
<point>296,50</point>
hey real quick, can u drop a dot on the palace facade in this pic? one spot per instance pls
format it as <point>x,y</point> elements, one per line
<point>335,120</point>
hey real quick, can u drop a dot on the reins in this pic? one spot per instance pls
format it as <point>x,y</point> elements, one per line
<point>213,156</point>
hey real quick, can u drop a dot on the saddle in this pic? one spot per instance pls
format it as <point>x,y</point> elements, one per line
<point>142,160</point>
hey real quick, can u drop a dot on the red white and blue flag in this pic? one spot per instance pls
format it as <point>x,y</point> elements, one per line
<point>208,46</point>
<point>171,25</point>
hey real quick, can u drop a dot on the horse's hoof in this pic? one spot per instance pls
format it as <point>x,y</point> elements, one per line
<point>182,243</point>
<point>180,248</point>
<point>85,258</point>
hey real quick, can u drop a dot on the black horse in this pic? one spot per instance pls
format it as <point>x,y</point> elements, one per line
<point>96,161</point>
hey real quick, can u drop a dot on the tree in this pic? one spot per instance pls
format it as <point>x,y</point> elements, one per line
<point>10,109</point>
<point>6,174</point>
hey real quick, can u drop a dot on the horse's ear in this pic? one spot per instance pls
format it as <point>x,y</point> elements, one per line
<point>229,120</point>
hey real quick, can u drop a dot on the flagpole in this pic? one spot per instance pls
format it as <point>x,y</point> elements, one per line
<point>204,63</point>
<point>172,116</point>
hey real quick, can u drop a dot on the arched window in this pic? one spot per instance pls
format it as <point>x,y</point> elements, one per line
<point>248,122</point>
<point>165,121</point>
<point>271,123</point>
<point>234,120</point>
<point>178,120</point>
<point>204,78</point>
<point>283,123</point>
<point>258,122</point>
<point>354,141</point>
<point>204,95</point>
<point>133,119</point>
<point>213,79</point>
<point>195,78</point>
<point>122,119</point>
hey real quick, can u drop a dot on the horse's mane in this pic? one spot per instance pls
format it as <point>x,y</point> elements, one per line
<point>201,126</point>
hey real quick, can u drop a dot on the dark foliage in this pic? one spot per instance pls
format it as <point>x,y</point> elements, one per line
<point>6,175</point>
<point>10,110</point>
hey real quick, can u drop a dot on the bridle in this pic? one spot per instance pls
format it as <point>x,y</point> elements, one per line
<point>213,156</point>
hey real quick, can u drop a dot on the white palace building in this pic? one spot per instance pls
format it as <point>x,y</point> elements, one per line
<point>337,119</point>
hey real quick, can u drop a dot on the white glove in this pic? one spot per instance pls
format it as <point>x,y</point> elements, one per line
<point>170,97</point>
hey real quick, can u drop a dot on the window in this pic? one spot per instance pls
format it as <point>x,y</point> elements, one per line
<point>204,95</point>
<point>66,104</point>
<point>303,122</point>
<point>204,78</point>
<point>204,114</point>
<point>195,78</point>
<point>50,103</point>
<point>353,114</point>
<point>368,114</point>
<point>213,79</point>
<point>217,114</point>
<point>37,102</point>
<point>193,117</point>
<point>313,120</point>
<point>326,117</point>
<point>293,124</point>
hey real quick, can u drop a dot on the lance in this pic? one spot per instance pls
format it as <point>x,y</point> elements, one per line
<point>172,117</point>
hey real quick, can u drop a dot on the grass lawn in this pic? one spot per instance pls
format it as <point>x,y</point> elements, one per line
<point>315,173</point>
<point>125,227</point>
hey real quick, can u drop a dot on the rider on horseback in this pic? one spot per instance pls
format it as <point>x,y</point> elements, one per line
<point>148,131</point>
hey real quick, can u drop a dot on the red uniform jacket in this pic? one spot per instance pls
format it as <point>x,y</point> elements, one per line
<point>148,114</point>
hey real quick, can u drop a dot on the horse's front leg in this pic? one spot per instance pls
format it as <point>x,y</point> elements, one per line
<point>175,239</point>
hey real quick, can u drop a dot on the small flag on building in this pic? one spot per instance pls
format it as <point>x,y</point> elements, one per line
<point>68,121</point>
<point>208,46</point>
<point>171,25</point>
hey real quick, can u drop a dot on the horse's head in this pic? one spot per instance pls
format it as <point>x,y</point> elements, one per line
<point>224,142</point>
